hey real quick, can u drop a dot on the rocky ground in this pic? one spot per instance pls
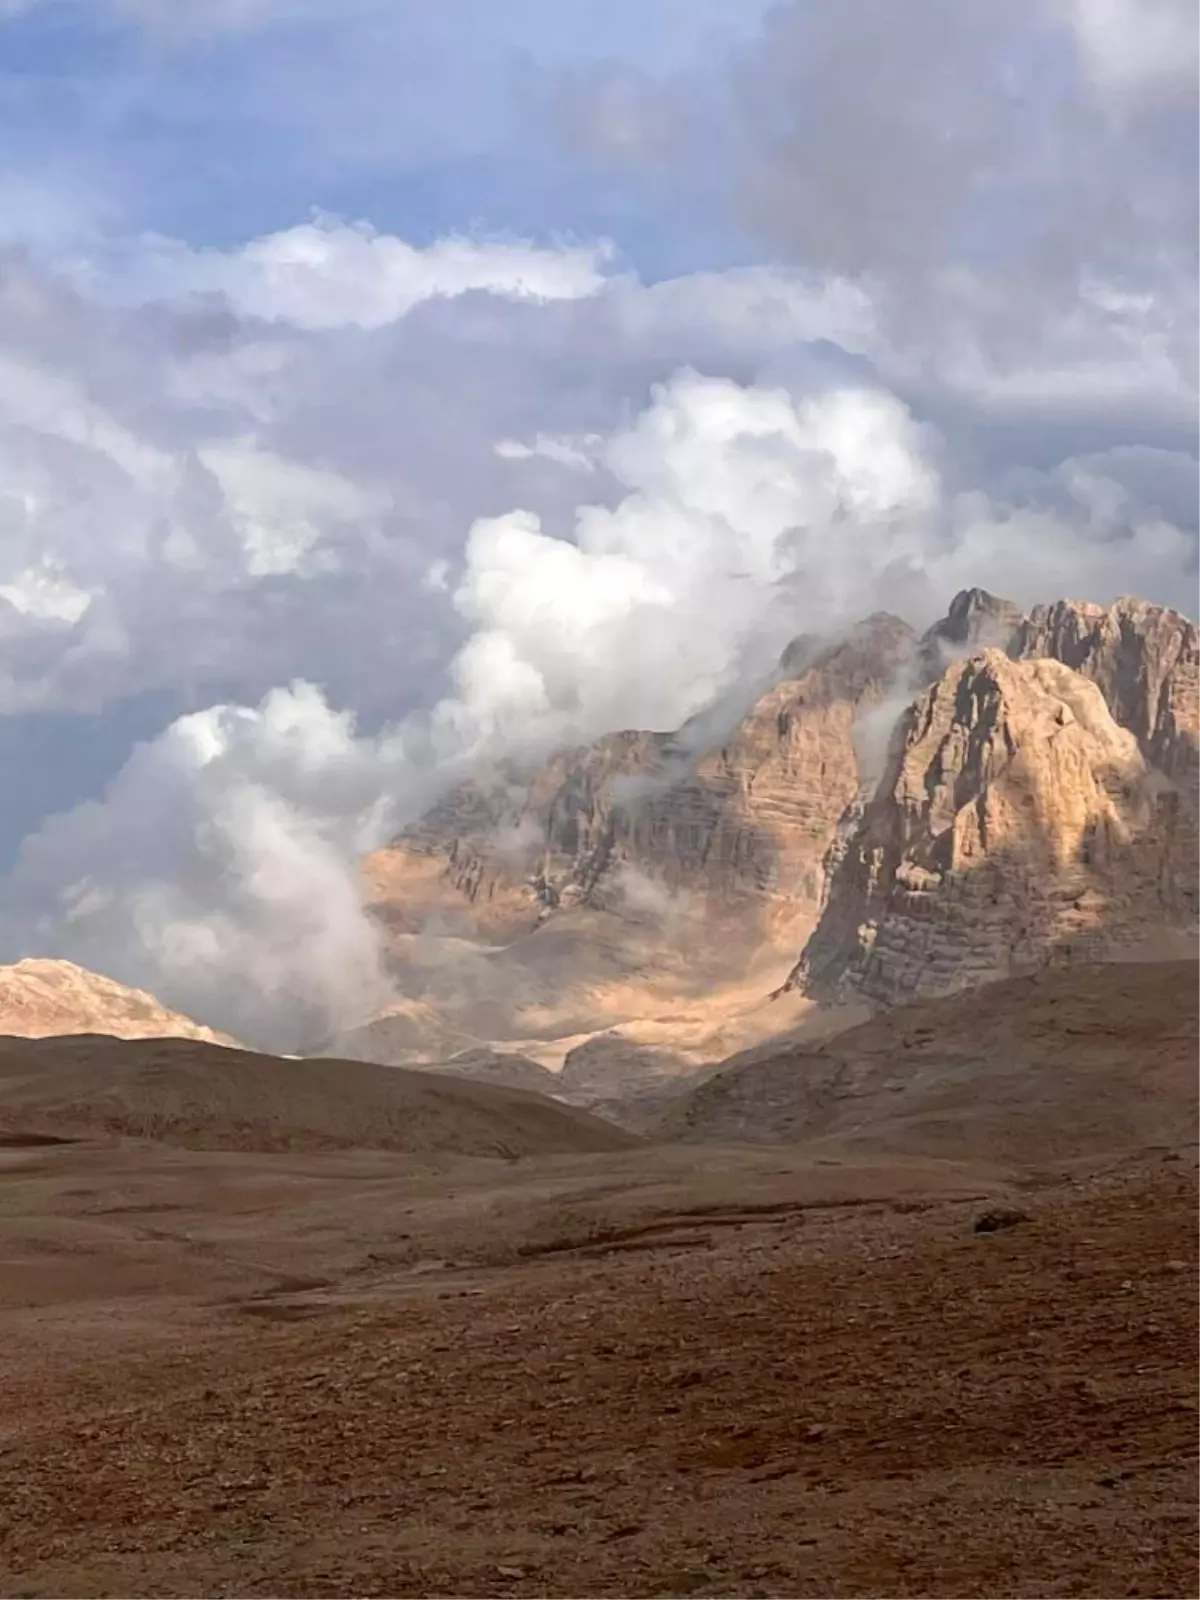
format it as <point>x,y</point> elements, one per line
<point>765,1382</point>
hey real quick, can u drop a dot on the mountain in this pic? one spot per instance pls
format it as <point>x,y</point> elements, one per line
<point>40,998</point>
<point>1031,811</point>
<point>1050,1067</point>
<point>893,815</point>
<point>620,876</point>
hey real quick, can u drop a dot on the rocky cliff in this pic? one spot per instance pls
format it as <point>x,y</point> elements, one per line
<point>1038,805</point>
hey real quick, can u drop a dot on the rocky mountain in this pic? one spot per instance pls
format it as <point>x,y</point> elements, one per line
<point>40,999</point>
<point>908,815</point>
<point>1034,809</point>
<point>643,853</point>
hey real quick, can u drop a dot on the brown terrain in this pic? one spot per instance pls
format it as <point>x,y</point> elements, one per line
<point>934,1336</point>
<point>1030,1070</point>
<point>189,1093</point>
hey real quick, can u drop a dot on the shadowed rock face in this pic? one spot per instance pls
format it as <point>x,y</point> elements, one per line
<point>975,621</point>
<point>1016,820</point>
<point>1145,660</point>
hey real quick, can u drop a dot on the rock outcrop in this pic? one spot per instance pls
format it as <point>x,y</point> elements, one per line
<point>1018,822</point>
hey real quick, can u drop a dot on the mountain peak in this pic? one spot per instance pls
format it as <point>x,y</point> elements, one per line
<point>976,619</point>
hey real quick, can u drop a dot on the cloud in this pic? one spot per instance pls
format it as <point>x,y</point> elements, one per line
<point>576,453</point>
<point>198,499</point>
<point>219,868</point>
<point>977,168</point>
<point>656,606</point>
<point>282,511</point>
<point>328,274</point>
<point>1147,48</point>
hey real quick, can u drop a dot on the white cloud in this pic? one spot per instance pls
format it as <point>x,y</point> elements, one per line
<point>1134,48</point>
<point>653,605</point>
<point>219,870</point>
<point>578,453</point>
<point>329,274</point>
<point>282,510</point>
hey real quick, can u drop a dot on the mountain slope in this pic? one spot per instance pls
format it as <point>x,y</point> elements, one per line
<point>185,1092</point>
<point>40,998</point>
<point>1039,804</point>
<point>1048,1067</point>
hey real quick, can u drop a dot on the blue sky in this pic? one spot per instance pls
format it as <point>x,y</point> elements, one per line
<point>424,118</point>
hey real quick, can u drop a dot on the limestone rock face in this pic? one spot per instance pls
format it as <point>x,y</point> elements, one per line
<point>1145,659</point>
<point>1017,822</point>
<point>645,824</point>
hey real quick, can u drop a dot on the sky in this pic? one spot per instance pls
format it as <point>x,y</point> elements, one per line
<point>386,388</point>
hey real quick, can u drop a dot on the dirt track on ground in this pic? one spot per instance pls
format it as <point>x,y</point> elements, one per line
<point>862,1399</point>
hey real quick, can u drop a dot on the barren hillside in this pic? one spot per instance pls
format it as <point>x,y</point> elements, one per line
<point>193,1094</point>
<point>1055,1066</point>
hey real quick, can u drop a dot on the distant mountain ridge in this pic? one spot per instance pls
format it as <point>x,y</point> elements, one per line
<point>894,817</point>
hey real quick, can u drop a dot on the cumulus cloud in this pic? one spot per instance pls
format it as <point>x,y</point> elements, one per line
<point>219,869</point>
